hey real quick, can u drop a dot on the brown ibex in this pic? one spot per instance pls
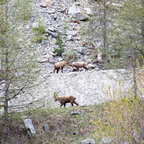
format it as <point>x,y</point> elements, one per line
<point>59,65</point>
<point>65,99</point>
<point>79,65</point>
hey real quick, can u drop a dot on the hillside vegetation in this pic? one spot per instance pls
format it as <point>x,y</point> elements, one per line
<point>106,38</point>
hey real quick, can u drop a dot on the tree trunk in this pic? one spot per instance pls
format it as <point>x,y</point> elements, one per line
<point>6,78</point>
<point>143,26</point>
<point>134,72</point>
<point>104,28</point>
<point>5,119</point>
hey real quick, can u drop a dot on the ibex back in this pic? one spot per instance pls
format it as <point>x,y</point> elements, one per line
<point>79,65</point>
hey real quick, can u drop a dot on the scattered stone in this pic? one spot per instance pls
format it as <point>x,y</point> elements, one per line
<point>83,43</point>
<point>52,11</point>
<point>89,60</point>
<point>88,141</point>
<point>52,34</point>
<point>91,66</point>
<point>81,50</point>
<point>51,28</point>
<point>76,112</point>
<point>88,11</point>
<point>45,4</point>
<point>62,8</point>
<point>51,60</point>
<point>78,14</point>
<point>72,74</point>
<point>69,37</point>
<point>105,140</point>
<point>86,109</point>
<point>73,33</point>
<point>81,16</point>
<point>136,137</point>
<point>29,126</point>
<point>46,127</point>
<point>35,25</point>
<point>117,5</point>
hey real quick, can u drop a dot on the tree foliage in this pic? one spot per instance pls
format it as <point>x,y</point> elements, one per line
<point>122,118</point>
<point>17,55</point>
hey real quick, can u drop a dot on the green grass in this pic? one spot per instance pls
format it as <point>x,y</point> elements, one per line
<point>93,122</point>
<point>62,125</point>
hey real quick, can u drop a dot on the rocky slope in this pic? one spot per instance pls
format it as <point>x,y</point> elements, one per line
<point>88,87</point>
<point>68,18</point>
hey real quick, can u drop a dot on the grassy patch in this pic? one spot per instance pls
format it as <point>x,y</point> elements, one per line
<point>39,31</point>
<point>64,127</point>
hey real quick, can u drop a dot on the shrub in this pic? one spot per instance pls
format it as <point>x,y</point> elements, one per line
<point>122,119</point>
<point>59,51</point>
<point>69,55</point>
<point>39,32</point>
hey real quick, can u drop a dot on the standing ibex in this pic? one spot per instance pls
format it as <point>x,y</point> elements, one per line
<point>61,64</point>
<point>65,99</point>
<point>79,65</point>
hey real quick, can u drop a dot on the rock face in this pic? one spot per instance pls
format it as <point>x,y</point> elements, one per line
<point>66,18</point>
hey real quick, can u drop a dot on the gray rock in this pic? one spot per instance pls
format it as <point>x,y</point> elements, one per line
<point>51,28</point>
<point>45,4</point>
<point>136,137</point>
<point>87,141</point>
<point>52,34</point>
<point>105,140</point>
<point>81,16</point>
<point>69,37</point>
<point>73,33</point>
<point>88,11</point>
<point>46,127</point>
<point>76,112</point>
<point>72,74</point>
<point>51,11</point>
<point>81,50</point>
<point>77,13</point>
<point>29,126</point>
<point>91,66</point>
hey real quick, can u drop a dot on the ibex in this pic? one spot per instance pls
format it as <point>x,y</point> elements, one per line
<point>59,65</point>
<point>65,99</point>
<point>79,65</point>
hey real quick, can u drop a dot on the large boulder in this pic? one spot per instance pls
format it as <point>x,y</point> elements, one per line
<point>78,13</point>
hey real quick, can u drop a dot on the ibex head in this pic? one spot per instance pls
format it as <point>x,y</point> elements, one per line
<point>55,95</point>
